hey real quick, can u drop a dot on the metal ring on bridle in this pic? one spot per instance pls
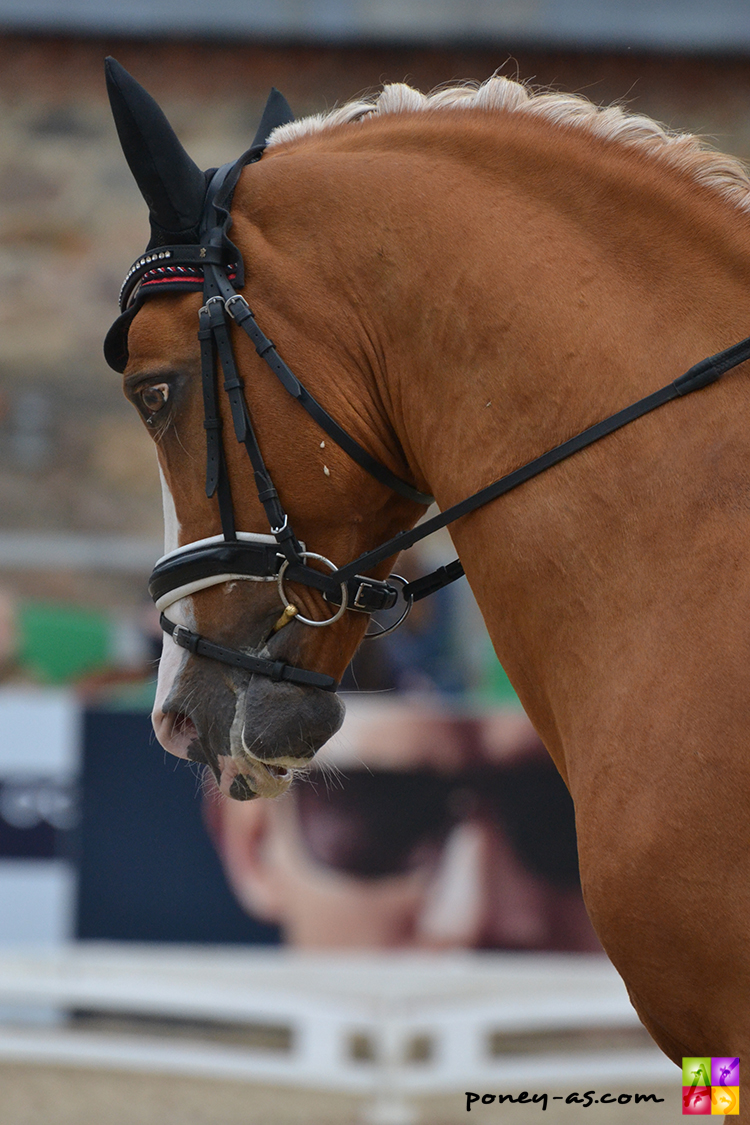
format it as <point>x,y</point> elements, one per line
<point>308,620</point>
<point>381,632</point>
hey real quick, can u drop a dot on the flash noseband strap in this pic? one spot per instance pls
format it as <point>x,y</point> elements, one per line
<point>277,670</point>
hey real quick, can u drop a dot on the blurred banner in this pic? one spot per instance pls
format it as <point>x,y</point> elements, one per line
<point>147,870</point>
<point>39,770</point>
<point>423,824</point>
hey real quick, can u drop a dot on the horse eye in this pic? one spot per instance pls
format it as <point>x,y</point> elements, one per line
<point>154,398</point>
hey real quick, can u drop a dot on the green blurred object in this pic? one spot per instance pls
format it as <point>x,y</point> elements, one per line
<point>129,697</point>
<point>59,643</point>
<point>496,687</point>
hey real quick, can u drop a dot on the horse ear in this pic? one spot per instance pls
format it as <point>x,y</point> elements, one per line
<point>277,112</point>
<point>171,183</point>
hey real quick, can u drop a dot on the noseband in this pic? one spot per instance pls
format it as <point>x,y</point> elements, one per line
<point>215,266</point>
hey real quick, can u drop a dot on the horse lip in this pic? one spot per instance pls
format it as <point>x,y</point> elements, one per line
<point>242,781</point>
<point>284,763</point>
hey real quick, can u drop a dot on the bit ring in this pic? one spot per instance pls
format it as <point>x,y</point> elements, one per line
<point>309,620</point>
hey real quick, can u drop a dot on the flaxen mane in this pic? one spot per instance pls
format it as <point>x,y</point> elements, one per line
<point>687,153</point>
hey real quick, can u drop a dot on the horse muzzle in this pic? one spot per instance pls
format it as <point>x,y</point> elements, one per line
<point>253,733</point>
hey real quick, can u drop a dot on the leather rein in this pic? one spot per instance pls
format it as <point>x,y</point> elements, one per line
<point>215,266</point>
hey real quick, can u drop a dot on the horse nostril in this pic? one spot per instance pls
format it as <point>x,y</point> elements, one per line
<point>279,772</point>
<point>182,725</point>
<point>196,753</point>
<point>177,733</point>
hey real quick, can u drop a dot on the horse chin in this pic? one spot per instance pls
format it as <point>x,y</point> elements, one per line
<point>245,780</point>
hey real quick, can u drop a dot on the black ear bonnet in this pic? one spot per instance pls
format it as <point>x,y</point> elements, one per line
<point>188,208</point>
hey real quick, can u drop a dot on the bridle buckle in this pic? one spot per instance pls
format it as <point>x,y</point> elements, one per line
<point>185,638</point>
<point>231,300</point>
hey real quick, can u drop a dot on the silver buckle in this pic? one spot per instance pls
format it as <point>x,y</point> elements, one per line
<point>229,301</point>
<point>181,629</point>
<point>357,603</point>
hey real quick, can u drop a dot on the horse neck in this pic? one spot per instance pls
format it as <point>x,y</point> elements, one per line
<point>465,252</point>
<point>510,284</point>
<point>607,280</point>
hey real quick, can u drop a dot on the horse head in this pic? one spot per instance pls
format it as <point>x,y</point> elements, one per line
<point>246,679</point>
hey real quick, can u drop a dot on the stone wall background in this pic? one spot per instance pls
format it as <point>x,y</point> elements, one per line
<point>73,456</point>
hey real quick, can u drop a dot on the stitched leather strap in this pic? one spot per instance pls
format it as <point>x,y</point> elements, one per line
<point>276,670</point>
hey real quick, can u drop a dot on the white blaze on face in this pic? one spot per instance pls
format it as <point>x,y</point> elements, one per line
<point>172,656</point>
<point>180,612</point>
<point>171,523</point>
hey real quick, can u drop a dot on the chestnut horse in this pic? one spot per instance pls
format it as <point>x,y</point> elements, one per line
<point>464,281</point>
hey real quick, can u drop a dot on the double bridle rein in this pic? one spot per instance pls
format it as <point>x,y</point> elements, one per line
<point>215,265</point>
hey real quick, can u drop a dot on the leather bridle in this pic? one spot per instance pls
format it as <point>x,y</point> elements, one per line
<point>215,266</point>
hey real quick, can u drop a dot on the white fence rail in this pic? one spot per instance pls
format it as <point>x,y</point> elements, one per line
<point>407,1024</point>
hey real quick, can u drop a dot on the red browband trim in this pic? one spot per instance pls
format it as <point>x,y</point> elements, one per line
<point>177,274</point>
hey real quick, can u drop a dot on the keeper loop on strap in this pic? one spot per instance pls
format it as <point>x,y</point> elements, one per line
<point>431,583</point>
<point>290,546</point>
<point>233,381</point>
<point>185,638</point>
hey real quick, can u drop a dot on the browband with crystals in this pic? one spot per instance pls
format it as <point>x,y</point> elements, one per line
<point>169,267</point>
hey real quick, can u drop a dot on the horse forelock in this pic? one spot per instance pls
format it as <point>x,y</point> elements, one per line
<point>684,152</point>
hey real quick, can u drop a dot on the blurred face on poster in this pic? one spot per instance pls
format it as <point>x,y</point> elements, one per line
<point>417,828</point>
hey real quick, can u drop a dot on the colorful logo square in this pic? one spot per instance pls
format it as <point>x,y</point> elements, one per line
<point>725,1100</point>
<point>696,1099</point>
<point>697,1071</point>
<point>725,1071</point>
<point>711,1085</point>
